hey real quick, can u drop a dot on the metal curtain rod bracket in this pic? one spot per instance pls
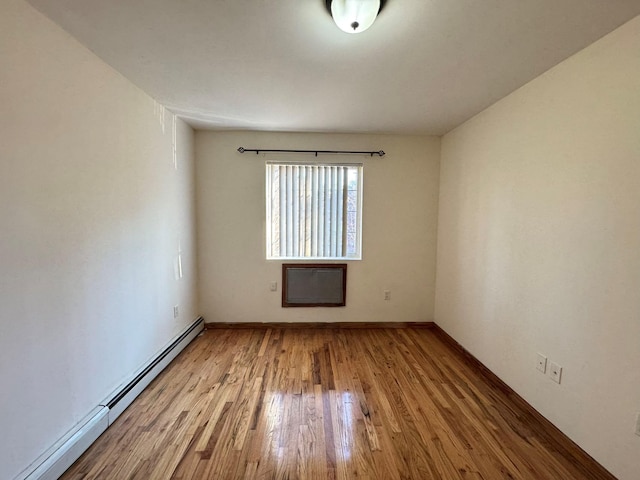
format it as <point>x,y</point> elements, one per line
<point>379,153</point>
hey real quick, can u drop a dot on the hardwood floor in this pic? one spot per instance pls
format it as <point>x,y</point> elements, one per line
<point>278,403</point>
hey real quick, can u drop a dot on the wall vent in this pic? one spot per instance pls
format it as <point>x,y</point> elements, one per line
<point>314,284</point>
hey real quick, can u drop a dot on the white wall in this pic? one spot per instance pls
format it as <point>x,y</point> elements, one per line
<point>539,244</point>
<point>92,210</point>
<point>399,228</point>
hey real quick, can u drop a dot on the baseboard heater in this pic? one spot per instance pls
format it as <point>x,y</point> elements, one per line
<point>122,399</point>
<point>57,459</point>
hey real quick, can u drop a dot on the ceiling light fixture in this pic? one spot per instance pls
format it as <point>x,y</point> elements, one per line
<point>354,16</point>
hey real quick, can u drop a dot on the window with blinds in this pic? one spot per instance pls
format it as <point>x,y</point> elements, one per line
<point>314,211</point>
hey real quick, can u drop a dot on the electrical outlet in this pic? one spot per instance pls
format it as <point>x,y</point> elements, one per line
<point>387,294</point>
<point>176,311</point>
<point>555,372</point>
<point>273,286</point>
<point>541,363</point>
<point>638,424</point>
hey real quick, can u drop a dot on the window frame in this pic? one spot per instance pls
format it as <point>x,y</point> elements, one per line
<point>359,211</point>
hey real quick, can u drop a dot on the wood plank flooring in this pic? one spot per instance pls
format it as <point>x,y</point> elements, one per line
<point>278,403</point>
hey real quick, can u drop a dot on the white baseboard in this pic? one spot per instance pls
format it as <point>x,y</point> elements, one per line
<point>61,455</point>
<point>53,463</point>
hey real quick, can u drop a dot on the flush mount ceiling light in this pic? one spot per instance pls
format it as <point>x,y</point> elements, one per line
<point>354,16</point>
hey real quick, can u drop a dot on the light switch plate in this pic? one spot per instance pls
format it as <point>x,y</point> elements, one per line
<point>541,363</point>
<point>555,372</point>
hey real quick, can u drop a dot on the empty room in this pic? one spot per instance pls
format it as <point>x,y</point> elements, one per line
<point>320,239</point>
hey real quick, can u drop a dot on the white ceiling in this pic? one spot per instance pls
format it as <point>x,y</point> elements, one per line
<point>424,67</point>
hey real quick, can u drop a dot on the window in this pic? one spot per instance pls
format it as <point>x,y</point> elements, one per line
<point>314,211</point>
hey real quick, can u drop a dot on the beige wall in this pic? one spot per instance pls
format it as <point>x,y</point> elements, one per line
<point>399,225</point>
<point>92,210</point>
<point>539,244</point>
<point>537,247</point>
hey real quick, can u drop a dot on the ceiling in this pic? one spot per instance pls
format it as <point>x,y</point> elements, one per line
<point>424,67</point>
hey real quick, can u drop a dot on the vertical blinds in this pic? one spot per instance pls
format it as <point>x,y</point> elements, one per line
<point>308,212</point>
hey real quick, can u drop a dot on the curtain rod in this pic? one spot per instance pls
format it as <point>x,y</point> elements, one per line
<point>379,153</point>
